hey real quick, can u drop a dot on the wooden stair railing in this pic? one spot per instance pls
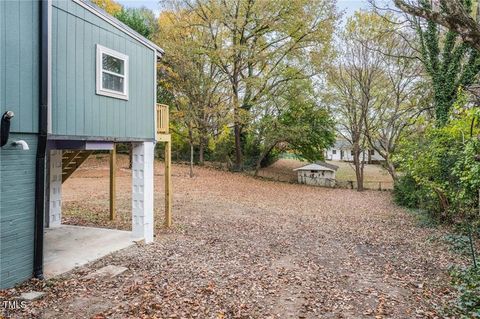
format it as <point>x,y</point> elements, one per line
<point>162,119</point>
<point>71,161</point>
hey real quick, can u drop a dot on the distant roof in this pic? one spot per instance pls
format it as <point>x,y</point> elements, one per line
<point>331,166</point>
<point>117,23</point>
<point>318,166</point>
<point>342,144</point>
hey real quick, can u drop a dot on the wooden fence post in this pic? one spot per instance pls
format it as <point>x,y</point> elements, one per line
<point>168,183</point>
<point>113,182</point>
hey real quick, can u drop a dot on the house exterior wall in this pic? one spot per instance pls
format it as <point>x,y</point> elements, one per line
<point>17,206</point>
<point>333,155</point>
<point>317,178</point>
<point>76,108</point>
<point>19,92</point>
<point>77,112</point>
<point>19,43</point>
<point>348,157</point>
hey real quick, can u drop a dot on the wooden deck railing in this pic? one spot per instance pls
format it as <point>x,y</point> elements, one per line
<point>162,119</point>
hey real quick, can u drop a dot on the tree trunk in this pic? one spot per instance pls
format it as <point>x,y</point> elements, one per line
<point>444,204</point>
<point>358,166</point>
<point>261,158</point>
<point>391,170</point>
<point>190,140</point>
<point>191,159</point>
<point>237,131</point>
<point>201,150</point>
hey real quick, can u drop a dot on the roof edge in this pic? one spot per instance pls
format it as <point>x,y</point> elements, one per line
<point>122,26</point>
<point>326,166</point>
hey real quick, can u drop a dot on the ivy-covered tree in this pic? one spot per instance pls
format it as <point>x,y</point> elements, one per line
<point>461,16</point>
<point>450,62</point>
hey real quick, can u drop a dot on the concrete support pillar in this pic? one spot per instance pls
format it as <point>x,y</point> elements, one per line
<point>142,191</point>
<point>55,211</point>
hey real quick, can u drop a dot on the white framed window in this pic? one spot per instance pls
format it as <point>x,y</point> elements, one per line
<point>112,73</point>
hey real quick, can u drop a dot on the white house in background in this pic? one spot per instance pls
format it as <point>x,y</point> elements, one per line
<point>317,174</point>
<point>342,150</point>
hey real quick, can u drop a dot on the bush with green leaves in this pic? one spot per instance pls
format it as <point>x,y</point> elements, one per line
<point>440,171</point>
<point>406,192</point>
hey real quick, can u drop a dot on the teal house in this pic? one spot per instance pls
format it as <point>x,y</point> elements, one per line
<point>72,80</point>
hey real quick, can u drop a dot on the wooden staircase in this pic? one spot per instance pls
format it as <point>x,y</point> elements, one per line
<point>71,161</point>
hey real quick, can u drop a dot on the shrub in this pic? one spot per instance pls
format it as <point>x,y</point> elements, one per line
<point>441,175</point>
<point>406,193</point>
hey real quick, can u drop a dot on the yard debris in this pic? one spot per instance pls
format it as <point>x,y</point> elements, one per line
<point>247,248</point>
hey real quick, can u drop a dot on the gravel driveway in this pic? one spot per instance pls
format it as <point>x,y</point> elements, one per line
<point>247,248</point>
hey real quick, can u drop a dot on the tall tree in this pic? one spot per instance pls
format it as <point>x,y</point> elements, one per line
<point>356,79</point>
<point>403,88</point>
<point>189,81</point>
<point>261,45</point>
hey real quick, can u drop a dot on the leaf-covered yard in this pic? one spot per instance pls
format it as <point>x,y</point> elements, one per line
<point>248,248</point>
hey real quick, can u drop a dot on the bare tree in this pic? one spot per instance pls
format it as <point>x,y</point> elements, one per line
<point>357,80</point>
<point>402,88</point>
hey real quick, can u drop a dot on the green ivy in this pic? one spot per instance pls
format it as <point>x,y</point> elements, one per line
<point>467,284</point>
<point>450,63</point>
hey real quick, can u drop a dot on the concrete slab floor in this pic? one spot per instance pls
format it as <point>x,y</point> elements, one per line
<point>67,247</point>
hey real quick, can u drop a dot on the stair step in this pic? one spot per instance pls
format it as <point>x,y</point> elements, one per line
<point>71,161</point>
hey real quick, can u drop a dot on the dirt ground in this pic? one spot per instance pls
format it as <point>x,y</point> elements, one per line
<point>375,175</point>
<point>249,248</point>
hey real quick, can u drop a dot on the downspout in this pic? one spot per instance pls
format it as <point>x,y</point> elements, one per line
<point>42,141</point>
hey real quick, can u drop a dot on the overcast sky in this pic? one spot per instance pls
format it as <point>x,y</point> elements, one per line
<point>349,6</point>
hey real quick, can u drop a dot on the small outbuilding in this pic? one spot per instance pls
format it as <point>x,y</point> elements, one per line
<point>317,174</point>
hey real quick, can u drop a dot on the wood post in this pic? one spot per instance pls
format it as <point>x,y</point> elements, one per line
<point>113,182</point>
<point>168,184</point>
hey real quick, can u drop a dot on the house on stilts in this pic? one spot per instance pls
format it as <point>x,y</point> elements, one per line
<point>73,80</point>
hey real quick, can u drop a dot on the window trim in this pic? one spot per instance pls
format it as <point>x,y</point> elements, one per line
<point>99,74</point>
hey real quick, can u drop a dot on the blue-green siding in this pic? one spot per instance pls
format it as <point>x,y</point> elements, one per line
<point>19,45</point>
<point>19,92</point>
<point>17,207</point>
<point>76,109</point>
